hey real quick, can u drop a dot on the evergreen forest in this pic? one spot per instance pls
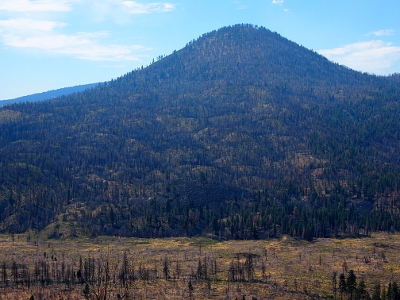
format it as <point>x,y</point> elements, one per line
<point>242,134</point>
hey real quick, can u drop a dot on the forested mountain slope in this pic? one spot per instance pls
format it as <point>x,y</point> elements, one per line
<point>242,134</point>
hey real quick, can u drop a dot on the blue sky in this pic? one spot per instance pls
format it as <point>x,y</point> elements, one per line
<point>50,44</point>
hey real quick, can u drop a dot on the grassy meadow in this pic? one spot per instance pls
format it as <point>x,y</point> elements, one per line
<point>283,268</point>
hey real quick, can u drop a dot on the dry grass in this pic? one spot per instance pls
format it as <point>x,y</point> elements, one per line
<point>294,268</point>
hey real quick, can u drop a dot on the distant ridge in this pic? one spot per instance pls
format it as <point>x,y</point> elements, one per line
<point>49,94</point>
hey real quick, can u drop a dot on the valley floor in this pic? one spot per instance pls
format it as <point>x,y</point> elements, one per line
<point>193,268</point>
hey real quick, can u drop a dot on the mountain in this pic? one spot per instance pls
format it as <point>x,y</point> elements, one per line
<point>49,94</point>
<point>240,134</point>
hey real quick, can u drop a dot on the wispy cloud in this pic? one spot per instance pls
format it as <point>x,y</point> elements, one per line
<point>29,26</point>
<point>83,45</point>
<point>384,32</point>
<point>373,56</point>
<point>239,5</point>
<point>134,7</point>
<point>121,12</point>
<point>35,6</point>
<point>23,24</point>
<point>277,1</point>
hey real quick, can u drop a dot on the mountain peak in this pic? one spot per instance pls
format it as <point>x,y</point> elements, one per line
<point>251,55</point>
<point>240,119</point>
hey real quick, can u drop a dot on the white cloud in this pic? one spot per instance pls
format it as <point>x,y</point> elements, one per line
<point>241,7</point>
<point>139,8</point>
<point>134,7</point>
<point>35,6</point>
<point>277,1</point>
<point>22,24</point>
<point>81,45</point>
<point>23,29</point>
<point>385,32</point>
<point>373,56</point>
<point>121,11</point>
<point>43,35</point>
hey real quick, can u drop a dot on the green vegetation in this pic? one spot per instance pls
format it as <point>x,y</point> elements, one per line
<point>242,134</point>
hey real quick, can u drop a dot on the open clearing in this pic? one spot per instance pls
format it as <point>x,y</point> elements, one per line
<point>283,268</point>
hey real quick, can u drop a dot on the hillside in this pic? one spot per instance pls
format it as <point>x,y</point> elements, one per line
<point>241,134</point>
<point>49,94</point>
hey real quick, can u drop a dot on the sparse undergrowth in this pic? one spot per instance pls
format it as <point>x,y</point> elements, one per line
<point>197,268</point>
